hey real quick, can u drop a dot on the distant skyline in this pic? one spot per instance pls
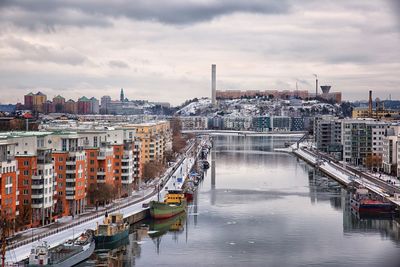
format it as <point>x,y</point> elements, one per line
<point>163,52</point>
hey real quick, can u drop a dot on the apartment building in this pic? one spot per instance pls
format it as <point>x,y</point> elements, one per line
<point>281,123</point>
<point>154,138</point>
<point>35,177</point>
<point>398,157</point>
<point>237,123</point>
<point>194,123</point>
<point>327,134</point>
<point>262,123</point>
<point>390,150</point>
<point>362,141</point>
<point>9,203</point>
<point>70,165</point>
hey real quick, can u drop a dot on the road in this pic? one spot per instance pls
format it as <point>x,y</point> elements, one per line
<point>53,237</point>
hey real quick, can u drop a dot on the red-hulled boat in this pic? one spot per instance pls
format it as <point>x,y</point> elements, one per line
<point>362,202</point>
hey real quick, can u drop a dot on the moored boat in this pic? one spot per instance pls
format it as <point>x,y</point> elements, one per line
<point>173,204</point>
<point>111,231</point>
<point>362,202</point>
<point>67,254</point>
<point>160,227</point>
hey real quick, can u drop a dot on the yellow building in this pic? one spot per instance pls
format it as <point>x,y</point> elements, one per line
<point>154,138</point>
<point>363,112</point>
<point>38,100</point>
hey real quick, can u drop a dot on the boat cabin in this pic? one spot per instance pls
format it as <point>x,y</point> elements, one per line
<point>112,224</point>
<point>174,197</point>
<point>40,254</point>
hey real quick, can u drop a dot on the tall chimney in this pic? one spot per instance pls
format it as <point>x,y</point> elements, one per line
<point>316,87</point>
<point>370,104</point>
<point>213,85</point>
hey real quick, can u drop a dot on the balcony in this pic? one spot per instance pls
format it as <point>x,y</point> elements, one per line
<point>101,156</point>
<point>70,171</point>
<point>101,172</point>
<point>70,195</point>
<point>37,186</point>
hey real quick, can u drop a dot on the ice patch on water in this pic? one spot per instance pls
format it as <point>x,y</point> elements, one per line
<point>232,243</point>
<point>233,222</point>
<point>251,242</point>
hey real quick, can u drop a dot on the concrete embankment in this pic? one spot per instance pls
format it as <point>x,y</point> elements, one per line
<point>133,211</point>
<point>344,176</point>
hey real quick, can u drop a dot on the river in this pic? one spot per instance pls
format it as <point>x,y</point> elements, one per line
<point>261,208</point>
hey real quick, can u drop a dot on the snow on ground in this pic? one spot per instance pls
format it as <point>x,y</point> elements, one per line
<point>22,252</point>
<point>193,107</point>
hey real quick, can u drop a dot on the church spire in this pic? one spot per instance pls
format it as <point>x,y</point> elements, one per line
<point>121,95</point>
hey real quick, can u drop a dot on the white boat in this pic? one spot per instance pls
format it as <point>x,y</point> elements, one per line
<point>67,254</point>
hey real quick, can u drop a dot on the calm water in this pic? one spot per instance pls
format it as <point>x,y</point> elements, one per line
<point>262,208</point>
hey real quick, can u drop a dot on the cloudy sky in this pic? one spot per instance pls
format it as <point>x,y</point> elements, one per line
<point>162,50</point>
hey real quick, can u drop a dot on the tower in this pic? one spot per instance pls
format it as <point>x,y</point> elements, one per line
<point>370,104</point>
<point>121,95</point>
<point>316,85</point>
<point>213,85</point>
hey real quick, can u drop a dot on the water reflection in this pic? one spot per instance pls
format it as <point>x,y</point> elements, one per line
<point>257,207</point>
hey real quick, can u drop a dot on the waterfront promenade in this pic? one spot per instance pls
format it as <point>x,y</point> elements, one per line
<point>245,133</point>
<point>21,249</point>
<point>346,175</point>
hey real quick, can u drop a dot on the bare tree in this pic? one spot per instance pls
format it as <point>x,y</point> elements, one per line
<point>152,169</point>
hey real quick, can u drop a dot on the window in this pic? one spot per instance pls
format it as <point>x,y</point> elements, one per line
<point>60,176</point>
<point>26,182</point>
<point>60,168</point>
<point>64,144</point>
<point>26,192</point>
<point>26,202</point>
<point>26,172</point>
<point>91,161</point>
<point>8,190</point>
<point>60,159</point>
<point>26,163</point>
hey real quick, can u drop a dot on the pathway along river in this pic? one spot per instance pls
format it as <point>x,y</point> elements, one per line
<point>262,208</point>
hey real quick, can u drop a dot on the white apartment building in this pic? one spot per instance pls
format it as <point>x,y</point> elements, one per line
<point>390,150</point>
<point>362,141</point>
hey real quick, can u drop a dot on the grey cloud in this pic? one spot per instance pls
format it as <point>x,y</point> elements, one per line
<point>118,64</point>
<point>40,53</point>
<point>50,13</point>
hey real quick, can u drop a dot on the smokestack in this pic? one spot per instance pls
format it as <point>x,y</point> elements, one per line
<point>316,85</point>
<point>213,85</point>
<point>370,104</point>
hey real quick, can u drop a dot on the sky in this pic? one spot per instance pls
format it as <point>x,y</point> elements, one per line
<point>163,50</point>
